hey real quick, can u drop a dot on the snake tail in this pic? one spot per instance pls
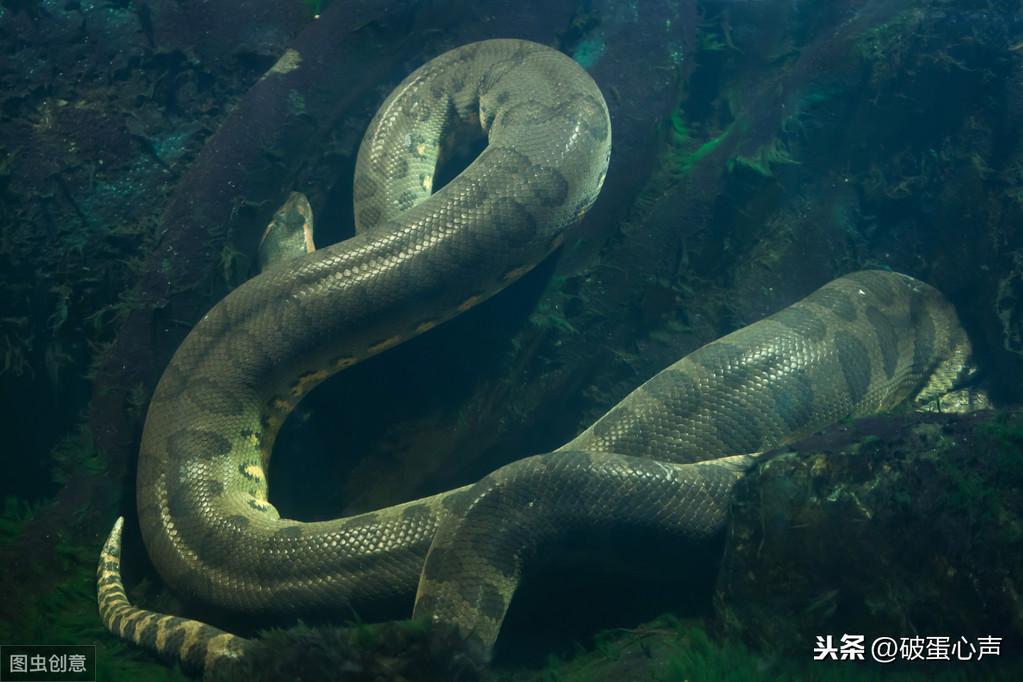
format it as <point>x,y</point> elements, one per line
<point>199,648</point>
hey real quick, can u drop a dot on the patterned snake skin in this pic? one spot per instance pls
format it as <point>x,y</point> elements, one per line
<point>665,458</point>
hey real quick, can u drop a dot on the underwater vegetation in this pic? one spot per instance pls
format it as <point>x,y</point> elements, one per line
<point>760,150</point>
<point>67,613</point>
<point>876,524</point>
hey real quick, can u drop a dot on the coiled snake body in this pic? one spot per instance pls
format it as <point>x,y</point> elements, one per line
<point>666,457</point>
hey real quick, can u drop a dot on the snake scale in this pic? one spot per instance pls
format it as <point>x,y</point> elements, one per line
<point>665,458</point>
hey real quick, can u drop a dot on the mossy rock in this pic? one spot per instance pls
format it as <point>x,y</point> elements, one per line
<point>892,526</point>
<point>403,651</point>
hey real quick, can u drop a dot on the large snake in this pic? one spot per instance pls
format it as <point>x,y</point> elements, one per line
<point>666,457</point>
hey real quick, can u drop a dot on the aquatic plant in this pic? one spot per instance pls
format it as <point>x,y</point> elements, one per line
<point>67,615</point>
<point>16,346</point>
<point>316,7</point>
<point>16,513</point>
<point>76,453</point>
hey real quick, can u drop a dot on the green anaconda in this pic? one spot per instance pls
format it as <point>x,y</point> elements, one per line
<point>666,457</point>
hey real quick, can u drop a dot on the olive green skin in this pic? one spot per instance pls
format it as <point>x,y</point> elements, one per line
<point>666,457</point>
<point>418,259</point>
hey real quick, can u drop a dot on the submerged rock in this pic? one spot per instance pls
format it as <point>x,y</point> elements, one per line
<point>892,526</point>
